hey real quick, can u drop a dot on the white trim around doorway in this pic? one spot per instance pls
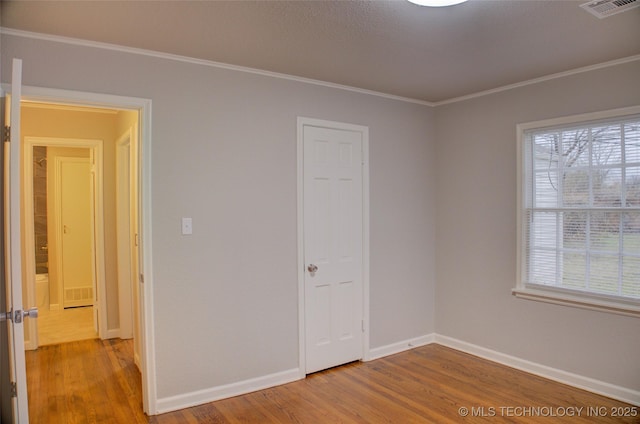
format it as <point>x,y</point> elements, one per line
<point>143,106</point>
<point>96,146</point>
<point>123,234</point>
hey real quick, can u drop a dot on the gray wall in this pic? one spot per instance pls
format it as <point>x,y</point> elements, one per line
<point>224,153</point>
<point>476,235</point>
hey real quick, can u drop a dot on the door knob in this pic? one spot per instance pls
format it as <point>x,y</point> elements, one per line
<point>30,313</point>
<point>16,316</point>
<point>312,268</point>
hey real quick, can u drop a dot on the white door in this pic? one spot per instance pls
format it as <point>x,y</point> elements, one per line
<point>13,315</point>
<point>76,221</point>
<point>333,246</point>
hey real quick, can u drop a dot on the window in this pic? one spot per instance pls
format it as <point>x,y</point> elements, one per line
<point>579,211</point>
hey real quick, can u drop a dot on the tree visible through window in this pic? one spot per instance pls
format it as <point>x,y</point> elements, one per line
<point>581,207</point>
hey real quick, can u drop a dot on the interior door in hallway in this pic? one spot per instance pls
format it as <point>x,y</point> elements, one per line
<point>333,246</point>
<point>77,231</point>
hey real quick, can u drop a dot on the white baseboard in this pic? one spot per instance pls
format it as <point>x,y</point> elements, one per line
<point>212,394</point>
<point>114,333</point>
<point>391,349</point>
<point>595,386</point>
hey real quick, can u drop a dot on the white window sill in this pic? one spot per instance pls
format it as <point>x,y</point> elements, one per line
<point>595,303</point>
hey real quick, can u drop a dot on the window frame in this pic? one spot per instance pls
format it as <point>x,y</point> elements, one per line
<point>551,294</point>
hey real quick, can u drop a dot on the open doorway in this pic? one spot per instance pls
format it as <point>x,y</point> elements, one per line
<point>69,133</point>
<point>13,161</point>
<point>87,288</point>
<point>62,236</point>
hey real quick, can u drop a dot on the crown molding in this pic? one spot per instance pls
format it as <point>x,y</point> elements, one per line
<point>203,62</point>
<point>227,66</point>
<point>539,80</point>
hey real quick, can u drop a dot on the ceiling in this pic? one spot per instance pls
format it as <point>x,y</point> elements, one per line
<point>392,47</point>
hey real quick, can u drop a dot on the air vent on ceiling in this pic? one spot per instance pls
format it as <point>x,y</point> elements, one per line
<point>605,8</point>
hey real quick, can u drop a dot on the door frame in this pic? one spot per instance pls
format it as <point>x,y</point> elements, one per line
<point>364,131</point>
<point>96,150</point>
<point>143,107</point>
<point>124,240</point>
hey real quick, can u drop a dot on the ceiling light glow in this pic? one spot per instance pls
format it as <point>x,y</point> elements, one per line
<point>437,3</point>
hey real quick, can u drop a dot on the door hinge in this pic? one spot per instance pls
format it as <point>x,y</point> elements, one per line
<point>14,389</point>
<point>142,278</point>
<point>6,134</point>
<point>362,322</point>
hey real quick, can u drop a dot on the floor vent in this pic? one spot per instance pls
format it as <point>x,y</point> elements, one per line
<point>605,8</point>
<point>79,296</point>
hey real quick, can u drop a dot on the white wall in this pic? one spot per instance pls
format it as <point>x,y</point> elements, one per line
<point>224,153</point>
<point>476,236</point>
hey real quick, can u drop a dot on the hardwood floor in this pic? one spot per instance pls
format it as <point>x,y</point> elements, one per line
<point>89,381</point>
<point>96,381</point>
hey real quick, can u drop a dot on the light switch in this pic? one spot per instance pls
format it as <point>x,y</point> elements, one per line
<point>187,226</point>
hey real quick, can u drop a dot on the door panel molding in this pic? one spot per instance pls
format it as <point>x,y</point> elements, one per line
<point>303,122</point>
